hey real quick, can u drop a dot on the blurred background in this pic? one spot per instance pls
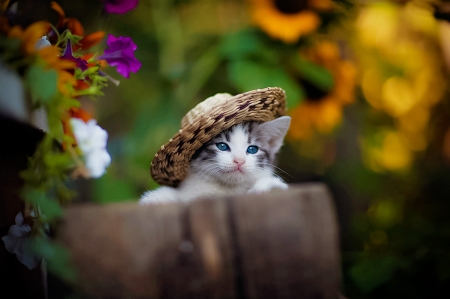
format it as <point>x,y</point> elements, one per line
<point>367,89</point>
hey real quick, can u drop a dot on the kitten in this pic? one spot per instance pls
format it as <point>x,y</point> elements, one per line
<point>239,160</point>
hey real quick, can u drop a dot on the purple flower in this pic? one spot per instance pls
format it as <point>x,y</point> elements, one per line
<point>119,6</point>
<point>121,55</point>
<point>68,55</point>
<point>18,241</point>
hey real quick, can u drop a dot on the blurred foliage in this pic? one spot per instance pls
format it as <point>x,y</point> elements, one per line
<point>367,91</point>
<point>185,60</point>
<point>366,88</point>
<point>43,60</point>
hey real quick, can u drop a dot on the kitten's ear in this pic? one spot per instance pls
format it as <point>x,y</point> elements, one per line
<point>273,131</point>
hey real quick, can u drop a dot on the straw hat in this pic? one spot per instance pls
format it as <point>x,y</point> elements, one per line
<point>210,117</point>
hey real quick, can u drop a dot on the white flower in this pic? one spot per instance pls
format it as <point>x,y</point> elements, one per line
<point>42,43</point>
<point>18,242</point>
<point>91,139</point>
<point>97,161</point>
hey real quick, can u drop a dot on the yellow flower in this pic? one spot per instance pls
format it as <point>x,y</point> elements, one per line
<point>30,35</point>
<point>287,20</point>
<point>76,28</point>
<point>401,69</point>
<point>389,152</point>
<point>309,117</point>
<point>400,57</point>
<point>50,55</point>
<point>322,111</point>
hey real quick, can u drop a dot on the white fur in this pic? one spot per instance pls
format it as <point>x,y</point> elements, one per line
<point>208,179</point>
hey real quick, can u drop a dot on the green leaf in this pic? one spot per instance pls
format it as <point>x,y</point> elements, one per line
<point>247,75</point>
<point>371,273</point>
<point>42,83</point>
<point>58,161</point>
<point>241,43</point>
<point>246,43</point>
<point>93,70</point>
<point>108,189</point>
<point>50,209</point>
<point>58,258</point>
<point>199,74</point>
<point>315,74</point>
<point>91,90</point>
<point>67,103</point>
<point>358,179</point>
<point>385,213</point>
<point>9,44</point>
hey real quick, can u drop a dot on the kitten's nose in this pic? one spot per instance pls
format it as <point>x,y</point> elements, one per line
<point>239,161</point>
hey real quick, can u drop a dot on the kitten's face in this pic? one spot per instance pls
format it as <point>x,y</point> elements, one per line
<point>242,153</point>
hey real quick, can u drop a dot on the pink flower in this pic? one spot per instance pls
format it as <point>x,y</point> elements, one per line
<point>119,6</point>
<point>121,55</point>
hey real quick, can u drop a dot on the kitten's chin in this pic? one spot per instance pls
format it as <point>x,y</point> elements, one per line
<point>234,177</point>
<point>227,177</point>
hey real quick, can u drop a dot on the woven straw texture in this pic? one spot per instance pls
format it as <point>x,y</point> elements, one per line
<point>215,114</point>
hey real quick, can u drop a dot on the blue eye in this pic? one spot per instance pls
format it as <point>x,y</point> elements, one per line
<point>252,149</point>
<point>222,146</point>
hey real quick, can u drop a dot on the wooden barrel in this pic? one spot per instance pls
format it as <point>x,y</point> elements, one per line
<point>279,245</point>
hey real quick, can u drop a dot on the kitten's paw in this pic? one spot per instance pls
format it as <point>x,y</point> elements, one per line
<point>160,195</point>
<point>264,185</point>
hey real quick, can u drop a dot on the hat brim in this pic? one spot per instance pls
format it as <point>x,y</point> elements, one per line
<point>171,163</point>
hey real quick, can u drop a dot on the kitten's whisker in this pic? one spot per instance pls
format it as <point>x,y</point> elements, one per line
<point>205,175</point>
<point>255,173</point>
<point>276,168</point>
<point>209,167</point>
<point>261,170</point>
<point>211,172</point>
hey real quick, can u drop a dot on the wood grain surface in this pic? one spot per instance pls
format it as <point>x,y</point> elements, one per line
<point>283,244</point>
